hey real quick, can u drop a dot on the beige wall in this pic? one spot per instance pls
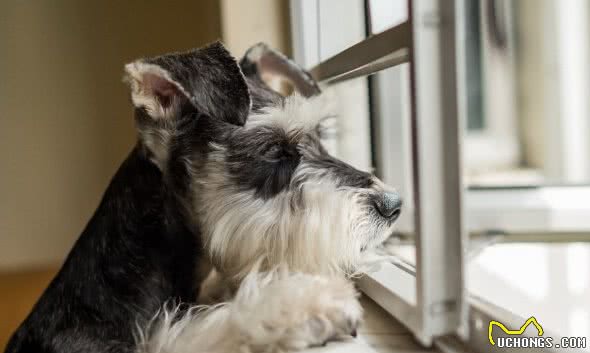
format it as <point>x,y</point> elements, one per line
<point>65,117</point>
<point>246,22</point>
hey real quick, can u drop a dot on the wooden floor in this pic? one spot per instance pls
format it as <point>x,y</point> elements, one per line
<point>18,293</point>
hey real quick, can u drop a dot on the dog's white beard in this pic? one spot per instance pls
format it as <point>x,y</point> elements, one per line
<point>324,236</point>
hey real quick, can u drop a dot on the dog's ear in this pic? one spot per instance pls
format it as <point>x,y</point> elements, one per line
<point>171,90</point>
<point>154,90</point>
<point>207,80</point>
<point>267,64</point>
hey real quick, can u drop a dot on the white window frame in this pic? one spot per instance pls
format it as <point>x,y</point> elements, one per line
<point>416,296</point>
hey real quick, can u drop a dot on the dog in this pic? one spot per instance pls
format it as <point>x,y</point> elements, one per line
<point>229,176</point>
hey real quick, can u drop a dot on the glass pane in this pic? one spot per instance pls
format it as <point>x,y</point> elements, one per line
<point>527,92</point>
<point>341,24</point>
<point>473,66</point>
<point>390,127</point>
<point>384,14</point>
<point>338,19</point>
<point>391,146</point>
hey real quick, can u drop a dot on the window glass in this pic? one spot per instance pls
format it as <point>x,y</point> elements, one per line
<point>341,25</point>
<point>384,14</point>
<point>528,92</point>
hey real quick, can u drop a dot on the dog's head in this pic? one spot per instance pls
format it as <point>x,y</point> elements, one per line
<point>249,164</point>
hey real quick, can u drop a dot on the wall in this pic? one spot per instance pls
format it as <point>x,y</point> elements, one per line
<point>65,115</point>
<point>246,22</point>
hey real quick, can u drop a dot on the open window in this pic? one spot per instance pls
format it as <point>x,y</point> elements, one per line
<point>477,111</point>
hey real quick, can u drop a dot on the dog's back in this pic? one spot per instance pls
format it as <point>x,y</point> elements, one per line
<point>134,255</point>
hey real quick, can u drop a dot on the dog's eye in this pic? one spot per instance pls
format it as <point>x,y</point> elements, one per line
<point>274,151</point>
<point>280,152</point>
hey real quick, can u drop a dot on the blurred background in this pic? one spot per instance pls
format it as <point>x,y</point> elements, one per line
<point>66,120</point>
<point>524,98</point>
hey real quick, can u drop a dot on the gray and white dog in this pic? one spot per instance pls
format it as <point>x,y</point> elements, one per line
<point>227,175</point>
<point>263,194</point>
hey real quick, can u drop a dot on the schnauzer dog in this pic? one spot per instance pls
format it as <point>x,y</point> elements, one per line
<point>227,176</point>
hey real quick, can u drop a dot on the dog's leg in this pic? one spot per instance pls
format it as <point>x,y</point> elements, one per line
<point>270,313</point>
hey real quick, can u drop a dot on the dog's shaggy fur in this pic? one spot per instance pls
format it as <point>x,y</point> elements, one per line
<point>274,312</point>
<point>227,174</point>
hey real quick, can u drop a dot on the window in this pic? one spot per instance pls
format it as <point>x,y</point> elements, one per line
<point>431,302</point>
<point>477,112</point>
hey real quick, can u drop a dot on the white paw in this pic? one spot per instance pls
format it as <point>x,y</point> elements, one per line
<point>295,311</point>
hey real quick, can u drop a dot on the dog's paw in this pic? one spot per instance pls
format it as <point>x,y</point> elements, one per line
<point>292,312</point>
<point>330,322</point>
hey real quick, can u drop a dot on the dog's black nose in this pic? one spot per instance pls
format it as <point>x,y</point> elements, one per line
<point>389,205</point>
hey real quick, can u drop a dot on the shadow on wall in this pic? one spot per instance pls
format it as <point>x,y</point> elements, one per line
<point>65,115</point>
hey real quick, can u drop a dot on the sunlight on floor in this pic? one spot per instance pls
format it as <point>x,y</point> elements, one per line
<point>549,281</point>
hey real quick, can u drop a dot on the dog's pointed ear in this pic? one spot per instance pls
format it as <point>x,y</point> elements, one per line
<point>153,89</point>
<point>267,64</point>
<point>207,80</point>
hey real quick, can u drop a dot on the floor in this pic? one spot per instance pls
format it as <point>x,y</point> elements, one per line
<point>18,293</point>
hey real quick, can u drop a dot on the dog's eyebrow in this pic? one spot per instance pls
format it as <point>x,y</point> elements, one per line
<point>249,166</point>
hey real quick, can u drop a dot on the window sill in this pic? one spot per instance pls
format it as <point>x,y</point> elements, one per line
<point>509,282</point>
<point>379,333</point>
